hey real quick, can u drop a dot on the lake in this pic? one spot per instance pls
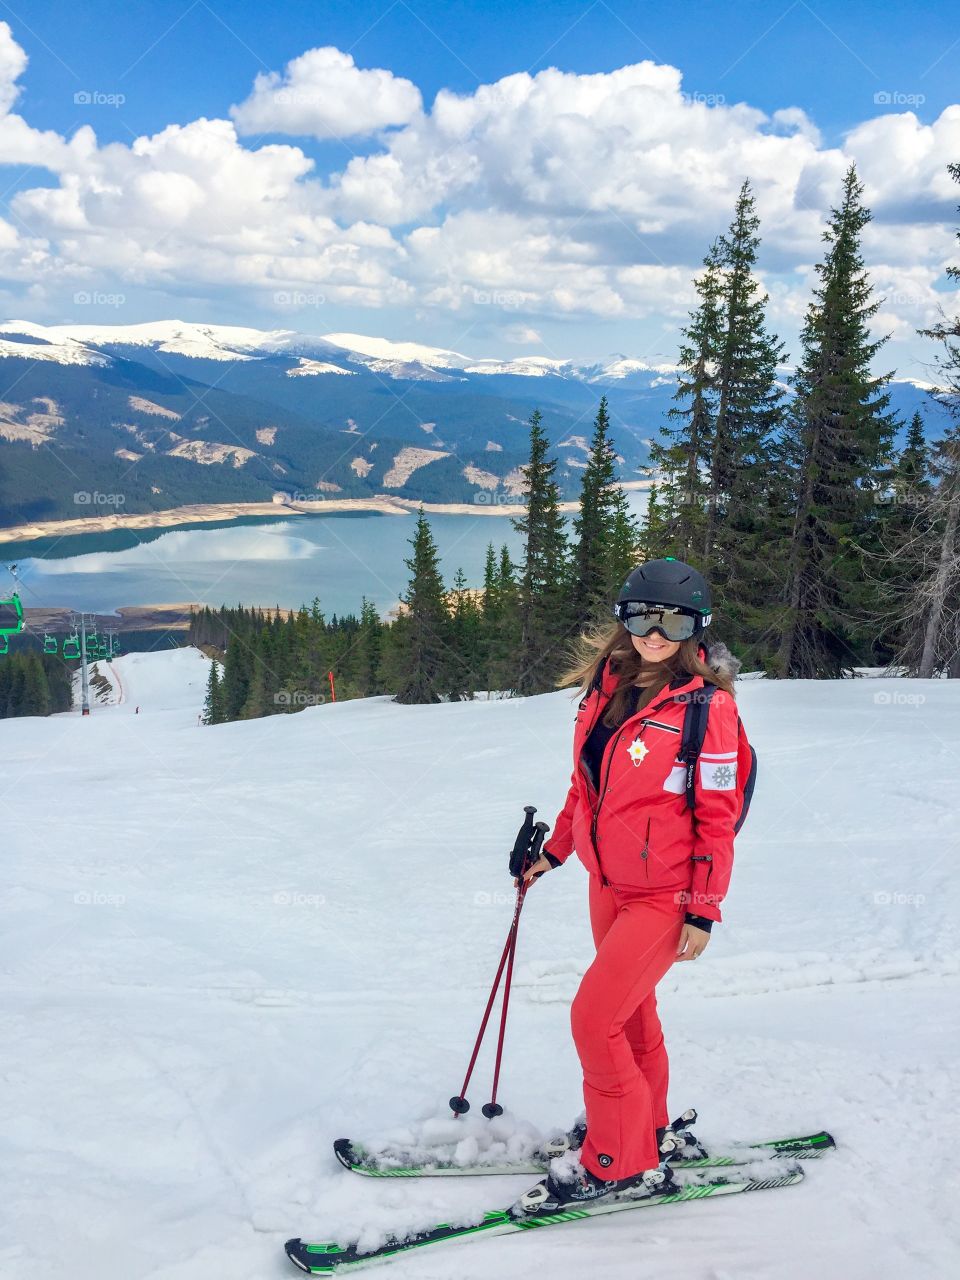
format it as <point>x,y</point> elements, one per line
<point>265,562</point>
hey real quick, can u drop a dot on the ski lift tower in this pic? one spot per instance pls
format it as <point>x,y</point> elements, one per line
<point>79,621</point>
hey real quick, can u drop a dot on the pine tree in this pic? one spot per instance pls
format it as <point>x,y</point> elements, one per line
<point>839,439</point>
<point>657,540</point>
<point>748,509</point>
<point>594,525</point>
<point>912,474</point>
<point>422,658</point>
<point>682,458</point>
<point>543,599</point>
<point>464,641</point>
<point>236,674</point>
<point>369,646</point>
<point>213,702</point>
<point>499,621</point>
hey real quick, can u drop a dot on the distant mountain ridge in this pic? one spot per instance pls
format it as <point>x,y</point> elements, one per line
<point>168,413</point>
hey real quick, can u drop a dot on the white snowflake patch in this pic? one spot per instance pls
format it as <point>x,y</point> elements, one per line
<point>718,775</point>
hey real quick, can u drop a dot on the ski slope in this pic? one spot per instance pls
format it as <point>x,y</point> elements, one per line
<point>223,947</point>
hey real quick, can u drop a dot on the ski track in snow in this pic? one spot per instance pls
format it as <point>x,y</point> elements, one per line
<point>224,947</point>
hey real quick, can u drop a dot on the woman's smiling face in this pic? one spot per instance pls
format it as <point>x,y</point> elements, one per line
<point>654,648</point>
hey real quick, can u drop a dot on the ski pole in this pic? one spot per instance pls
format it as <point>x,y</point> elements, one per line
<point>526,850</point>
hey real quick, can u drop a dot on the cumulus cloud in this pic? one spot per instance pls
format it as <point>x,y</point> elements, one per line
<point>547,195</point>
<point>324,94</point>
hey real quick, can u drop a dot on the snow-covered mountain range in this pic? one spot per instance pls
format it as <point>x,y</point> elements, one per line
<point>83,344</point>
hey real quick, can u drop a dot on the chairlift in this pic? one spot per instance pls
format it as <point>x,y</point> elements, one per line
<point>71,646</point>
<point>11,620</point>
<point>49,643</point>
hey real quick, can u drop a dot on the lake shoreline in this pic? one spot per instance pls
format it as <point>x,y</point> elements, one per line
<point>226,512</point>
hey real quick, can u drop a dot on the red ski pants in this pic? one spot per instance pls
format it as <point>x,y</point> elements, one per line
<point>617,1030</point>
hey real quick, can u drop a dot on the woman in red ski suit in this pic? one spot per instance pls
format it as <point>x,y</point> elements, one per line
<point>657,869</point>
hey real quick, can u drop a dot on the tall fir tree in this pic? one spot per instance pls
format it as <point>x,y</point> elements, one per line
<point>682,456</point>
<point>464,641</point>
<point>422,655</point>
<point>598,539</point>
<point>747,509</point>
<point>544,611</point>
<point>839,440</point>
<point>213,702</point>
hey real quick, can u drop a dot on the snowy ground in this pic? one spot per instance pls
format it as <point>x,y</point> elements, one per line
<point>224,947</point>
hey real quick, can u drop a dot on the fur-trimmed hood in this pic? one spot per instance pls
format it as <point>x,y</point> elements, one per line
<point>721,660</point>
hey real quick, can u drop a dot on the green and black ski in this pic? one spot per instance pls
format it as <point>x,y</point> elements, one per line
<point>395,1162</point>
<point>327,1258</point>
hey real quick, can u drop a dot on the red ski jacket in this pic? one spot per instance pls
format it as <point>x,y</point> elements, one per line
<point>639,833</point>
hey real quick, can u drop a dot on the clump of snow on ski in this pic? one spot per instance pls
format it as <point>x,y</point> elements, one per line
<point>470,1141</point>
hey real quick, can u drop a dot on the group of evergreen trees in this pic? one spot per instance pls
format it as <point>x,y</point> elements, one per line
<point>33,684</point>
<point>799,509</point>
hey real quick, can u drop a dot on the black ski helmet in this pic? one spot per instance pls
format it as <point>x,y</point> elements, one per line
<point>671,582</point>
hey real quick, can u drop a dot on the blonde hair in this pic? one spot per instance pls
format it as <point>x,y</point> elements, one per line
<point>613,642</point>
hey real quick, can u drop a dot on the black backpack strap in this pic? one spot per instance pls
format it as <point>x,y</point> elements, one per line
<point>694,731</point>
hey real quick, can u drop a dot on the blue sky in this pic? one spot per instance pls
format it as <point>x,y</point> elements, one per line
<point>582,254</point>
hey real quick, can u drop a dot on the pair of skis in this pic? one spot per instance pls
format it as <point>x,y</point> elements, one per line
<point>694,1177</point>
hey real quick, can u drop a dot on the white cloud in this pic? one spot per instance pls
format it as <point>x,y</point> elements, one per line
<point>553,195</point>
<point>324,94</point>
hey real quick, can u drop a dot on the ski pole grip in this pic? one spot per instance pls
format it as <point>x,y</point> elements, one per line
<point>521,845</point>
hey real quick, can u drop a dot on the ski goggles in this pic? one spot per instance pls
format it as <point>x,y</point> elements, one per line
<point>640,619</point>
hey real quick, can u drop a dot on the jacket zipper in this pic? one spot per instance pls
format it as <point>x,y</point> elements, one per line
<point>593,823</point>
<point>645,851</point>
